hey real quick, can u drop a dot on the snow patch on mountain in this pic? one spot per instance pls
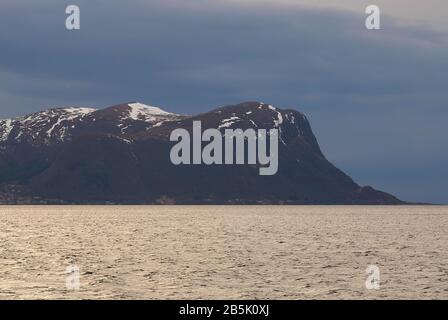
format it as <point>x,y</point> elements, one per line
<point>68,114</point>
<point>253,123</point>
<point>78,110</point>
<point>140,111</point>
<point>279,120</point>
<point>228,122</point>
<point>5,128</point>
<point>53,124</point>
<point>136,112</point>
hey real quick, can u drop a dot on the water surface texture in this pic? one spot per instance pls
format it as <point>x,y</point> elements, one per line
<point>252,252</point>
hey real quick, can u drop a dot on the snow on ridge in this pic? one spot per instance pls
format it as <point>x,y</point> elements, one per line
<point>75,112</point>
<point>140,109</point>
<point>7,125</point>
<point>228,122</point>
<point>58,110</point>
<point>279,120</point>
<point>32,124</point>
<point>68,112</point>
<point>79,110</point>
<point>72,114</point>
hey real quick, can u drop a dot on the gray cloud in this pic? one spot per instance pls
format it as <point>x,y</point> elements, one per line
<point>377,99</point>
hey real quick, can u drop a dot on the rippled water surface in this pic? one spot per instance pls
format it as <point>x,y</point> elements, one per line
<point>270,252</point>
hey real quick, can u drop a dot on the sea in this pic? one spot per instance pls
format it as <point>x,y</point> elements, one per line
<point>224,252</point>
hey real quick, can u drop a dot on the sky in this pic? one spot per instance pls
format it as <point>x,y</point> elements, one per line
<point>377,99</point>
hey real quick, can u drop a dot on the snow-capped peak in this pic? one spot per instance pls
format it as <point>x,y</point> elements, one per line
<point>139,110</point>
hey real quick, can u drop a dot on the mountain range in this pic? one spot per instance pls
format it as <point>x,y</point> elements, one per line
<point>121,155</point>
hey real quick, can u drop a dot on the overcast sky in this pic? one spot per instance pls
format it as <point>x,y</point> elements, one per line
<point>377,100</point>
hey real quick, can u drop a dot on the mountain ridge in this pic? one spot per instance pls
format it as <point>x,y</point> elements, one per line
<point>120,154</point>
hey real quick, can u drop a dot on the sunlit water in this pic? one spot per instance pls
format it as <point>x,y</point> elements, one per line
<point>270,252</point>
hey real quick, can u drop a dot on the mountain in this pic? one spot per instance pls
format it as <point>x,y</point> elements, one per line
<point>121,154</point>
<point>59,125</point>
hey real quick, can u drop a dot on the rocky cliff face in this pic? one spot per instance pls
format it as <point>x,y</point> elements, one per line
<point>121,154</point>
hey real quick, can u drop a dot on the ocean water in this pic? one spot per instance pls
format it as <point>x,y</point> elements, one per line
<point>223,252</point>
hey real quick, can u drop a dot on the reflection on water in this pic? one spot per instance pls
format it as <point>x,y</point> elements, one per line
<point>182,252</point>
